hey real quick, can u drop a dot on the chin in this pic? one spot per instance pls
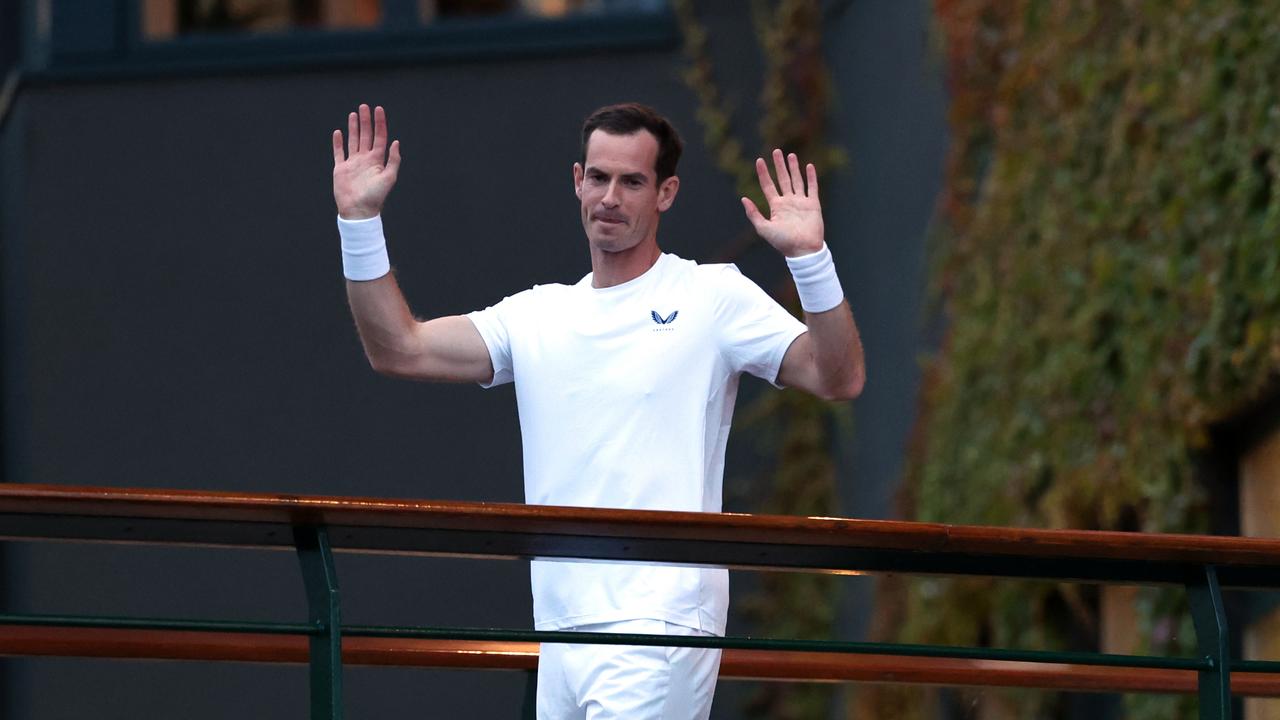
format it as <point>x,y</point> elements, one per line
<point>611,244</point>
<point>608,247</point>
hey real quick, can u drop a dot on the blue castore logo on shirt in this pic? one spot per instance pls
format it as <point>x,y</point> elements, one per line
<point>661,320</point>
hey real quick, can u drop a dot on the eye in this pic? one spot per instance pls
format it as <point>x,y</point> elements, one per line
<point>634,182</point>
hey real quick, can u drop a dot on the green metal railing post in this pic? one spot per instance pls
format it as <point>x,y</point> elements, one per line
<point>530,709</point>
<point>1211,641</point>
<point>321,579</point>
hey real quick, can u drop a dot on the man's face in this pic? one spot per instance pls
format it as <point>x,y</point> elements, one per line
<point>619,192</point>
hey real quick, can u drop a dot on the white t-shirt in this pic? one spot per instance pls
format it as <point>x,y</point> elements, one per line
<point>625,396</point>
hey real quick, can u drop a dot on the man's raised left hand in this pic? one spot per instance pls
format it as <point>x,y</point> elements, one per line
<point>794,226</point>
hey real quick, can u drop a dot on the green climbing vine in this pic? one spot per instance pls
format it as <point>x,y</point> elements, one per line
<point>794,102</point>
<point>1107,259</point>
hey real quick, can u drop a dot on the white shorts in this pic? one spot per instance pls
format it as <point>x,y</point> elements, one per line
<point>635,682</point>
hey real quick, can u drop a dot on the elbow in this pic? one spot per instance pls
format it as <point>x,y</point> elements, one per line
<point>385,364</point>
<point>392,357</point>
<point>847,389</point>
<point>379,365</point>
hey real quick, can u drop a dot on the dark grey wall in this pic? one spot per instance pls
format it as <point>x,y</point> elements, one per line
<point>174,317</point>
<point>10,22</point>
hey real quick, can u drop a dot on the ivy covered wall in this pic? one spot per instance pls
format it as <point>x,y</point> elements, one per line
<point>1107,261</point>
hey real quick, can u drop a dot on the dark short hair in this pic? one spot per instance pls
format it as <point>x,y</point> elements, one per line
<point>629,118</point>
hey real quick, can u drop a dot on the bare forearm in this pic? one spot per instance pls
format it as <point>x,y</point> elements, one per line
<point>837,352</point>
<point>386,326</point>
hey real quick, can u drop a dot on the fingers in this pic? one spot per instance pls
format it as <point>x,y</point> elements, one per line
<point>766,183</point>
<point>366,132</point>
<point>379,132</point>
<point>353,134</point>
<point>366,128</point>
<point>790,179</point>
<point>784,178</point>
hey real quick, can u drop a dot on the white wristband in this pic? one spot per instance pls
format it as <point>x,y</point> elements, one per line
<point>364,248</point>
<point>816,281</point>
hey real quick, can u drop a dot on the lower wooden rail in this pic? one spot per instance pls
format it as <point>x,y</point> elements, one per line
<point>22,640</point>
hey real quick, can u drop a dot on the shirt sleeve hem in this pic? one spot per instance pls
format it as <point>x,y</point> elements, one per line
<point>485,335</point>
<point>776,362</point>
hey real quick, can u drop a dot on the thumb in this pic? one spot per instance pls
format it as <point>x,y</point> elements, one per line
<point>753,214</point>
<point>393,159</point>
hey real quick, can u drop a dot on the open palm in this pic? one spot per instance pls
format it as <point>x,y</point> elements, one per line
<point>362,179</point>
<point>794,226</point>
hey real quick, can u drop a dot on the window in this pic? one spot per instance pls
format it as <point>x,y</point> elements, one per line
<point>153,37</point>
<point>168,19</point>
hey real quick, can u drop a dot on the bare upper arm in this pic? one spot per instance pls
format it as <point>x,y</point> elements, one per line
<point>798,368</point>
<point>445,349</point>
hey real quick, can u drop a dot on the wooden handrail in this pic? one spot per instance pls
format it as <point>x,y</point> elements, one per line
<point>513,530</point>
<point>22,640</point>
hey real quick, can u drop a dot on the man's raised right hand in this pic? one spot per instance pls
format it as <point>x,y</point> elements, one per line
<point>361,178</point>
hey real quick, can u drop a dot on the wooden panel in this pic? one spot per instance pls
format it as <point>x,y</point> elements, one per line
<point>1260,489</point>
<point>1262,642</point>
<point>1118,615</point>
<point>159,19</point>
<point>1260,516</point>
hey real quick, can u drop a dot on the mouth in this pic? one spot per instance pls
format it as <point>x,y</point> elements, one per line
<point>609,219</point>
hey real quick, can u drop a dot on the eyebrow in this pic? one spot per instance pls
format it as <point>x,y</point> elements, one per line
<point>625,176</point>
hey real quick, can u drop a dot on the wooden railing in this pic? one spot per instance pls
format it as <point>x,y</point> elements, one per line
<point>317,526</point>
<point>759,665</point>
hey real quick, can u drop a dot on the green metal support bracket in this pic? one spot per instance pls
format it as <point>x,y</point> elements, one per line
<point>321,579</point>
<point>1211,641</point>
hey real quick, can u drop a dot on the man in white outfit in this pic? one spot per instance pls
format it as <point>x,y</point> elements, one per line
<point>625,383</point>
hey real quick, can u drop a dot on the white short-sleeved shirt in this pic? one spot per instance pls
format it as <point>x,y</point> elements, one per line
<point>625,397</point>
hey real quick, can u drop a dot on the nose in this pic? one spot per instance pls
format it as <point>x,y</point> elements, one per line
<point>610,199</point>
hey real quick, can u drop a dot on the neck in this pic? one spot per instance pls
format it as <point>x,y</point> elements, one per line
<point>614,268</point>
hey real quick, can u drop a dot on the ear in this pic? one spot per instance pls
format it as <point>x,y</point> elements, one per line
<point>577,180</point>
<point>667,193</point>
